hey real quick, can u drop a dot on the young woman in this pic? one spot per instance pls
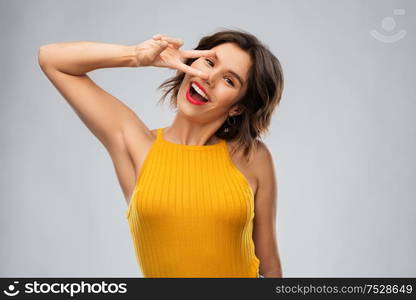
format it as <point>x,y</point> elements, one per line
<point>201,193</point>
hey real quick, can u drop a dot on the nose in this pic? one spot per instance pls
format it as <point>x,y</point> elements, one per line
<point>212,75</point>
<point>207,80</point>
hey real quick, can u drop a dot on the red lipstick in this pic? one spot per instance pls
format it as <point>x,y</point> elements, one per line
<point>201,87</point>
<point>192,100</point>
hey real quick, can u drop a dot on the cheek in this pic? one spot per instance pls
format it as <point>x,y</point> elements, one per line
<point>225,96</point>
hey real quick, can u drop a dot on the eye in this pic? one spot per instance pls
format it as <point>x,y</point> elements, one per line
<point>208,60</point>
<point>231,82</point>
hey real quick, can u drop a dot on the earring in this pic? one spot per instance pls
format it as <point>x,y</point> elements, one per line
<point>230,124</point>
<point>234,121</point>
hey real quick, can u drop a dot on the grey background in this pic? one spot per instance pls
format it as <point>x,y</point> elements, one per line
<point>343,138</point>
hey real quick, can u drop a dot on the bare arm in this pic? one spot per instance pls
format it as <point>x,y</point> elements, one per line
<point>79,58</point>
<point>119,129</point>
<point>66,65</point>
<point>264,233</point>
<point>110,120</point>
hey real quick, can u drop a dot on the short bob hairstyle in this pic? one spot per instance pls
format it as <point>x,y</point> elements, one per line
<point>264,89</point>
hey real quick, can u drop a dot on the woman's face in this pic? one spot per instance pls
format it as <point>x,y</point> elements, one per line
<point>223,87</point>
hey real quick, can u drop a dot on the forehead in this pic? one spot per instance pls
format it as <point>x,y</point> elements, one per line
<point>231,57</point>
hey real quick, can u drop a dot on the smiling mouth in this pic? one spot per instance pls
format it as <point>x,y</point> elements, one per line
<point>195,95</point>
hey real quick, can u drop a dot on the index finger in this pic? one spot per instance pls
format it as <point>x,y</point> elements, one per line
<point>192,71</point>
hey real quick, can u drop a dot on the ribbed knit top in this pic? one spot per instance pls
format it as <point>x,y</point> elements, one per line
<point>191,213</point>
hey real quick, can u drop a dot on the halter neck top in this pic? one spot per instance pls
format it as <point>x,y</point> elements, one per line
<point>191,213</point>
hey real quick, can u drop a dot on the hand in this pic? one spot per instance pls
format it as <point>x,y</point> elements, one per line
<point>163,51</point>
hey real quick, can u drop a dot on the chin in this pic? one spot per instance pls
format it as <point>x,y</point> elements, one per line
<point>185,108</point>
<point>187,111</point>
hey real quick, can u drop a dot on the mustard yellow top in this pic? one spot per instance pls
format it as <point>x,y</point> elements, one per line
<point>191,213</point>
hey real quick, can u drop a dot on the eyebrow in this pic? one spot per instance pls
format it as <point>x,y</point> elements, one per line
<point>232,72</point>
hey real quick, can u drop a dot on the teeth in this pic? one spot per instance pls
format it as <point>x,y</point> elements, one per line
<point>199,91</point>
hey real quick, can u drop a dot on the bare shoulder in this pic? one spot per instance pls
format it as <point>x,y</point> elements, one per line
<point>262,161</point>
<point>264,171</point>
<point>257,167</point>
<point>262,155</point>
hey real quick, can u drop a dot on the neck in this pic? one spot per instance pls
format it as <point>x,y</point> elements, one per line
<point>186,132</point>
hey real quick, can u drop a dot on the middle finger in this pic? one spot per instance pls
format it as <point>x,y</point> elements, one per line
<point>198,53</point>
<point>192,71</point>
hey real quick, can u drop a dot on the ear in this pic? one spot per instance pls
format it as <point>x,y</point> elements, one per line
<point>235,110</point>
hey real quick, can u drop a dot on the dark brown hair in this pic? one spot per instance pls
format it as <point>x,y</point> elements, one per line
<point>264,89</point>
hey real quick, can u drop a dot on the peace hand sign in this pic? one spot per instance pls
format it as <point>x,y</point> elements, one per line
<point>163,51</point>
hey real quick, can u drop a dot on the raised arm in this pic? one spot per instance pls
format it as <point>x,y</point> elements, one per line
<point>119,129</point>
<point>66,65</point>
